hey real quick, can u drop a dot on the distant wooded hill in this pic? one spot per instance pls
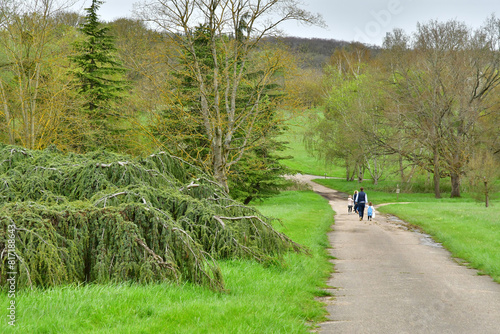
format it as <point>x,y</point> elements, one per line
<point>313,52</point>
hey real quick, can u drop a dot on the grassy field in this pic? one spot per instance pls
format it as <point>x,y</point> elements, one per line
<point>303,160</point>
<point>260,299</point>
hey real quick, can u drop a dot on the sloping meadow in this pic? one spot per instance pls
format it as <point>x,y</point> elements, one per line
<point>103,217</point>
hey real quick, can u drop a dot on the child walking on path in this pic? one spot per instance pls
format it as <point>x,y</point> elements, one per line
<point>350,203</point>
<point>370,212</point>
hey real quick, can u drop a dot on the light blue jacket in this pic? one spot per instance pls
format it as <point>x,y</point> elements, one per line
<point>370,211</point>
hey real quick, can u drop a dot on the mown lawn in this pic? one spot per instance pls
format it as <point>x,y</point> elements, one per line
<point>260,299</point>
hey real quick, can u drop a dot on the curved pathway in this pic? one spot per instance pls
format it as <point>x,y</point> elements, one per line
<point>389,279</point>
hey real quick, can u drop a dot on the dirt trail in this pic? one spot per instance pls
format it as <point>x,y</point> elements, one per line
<point>389,279</point>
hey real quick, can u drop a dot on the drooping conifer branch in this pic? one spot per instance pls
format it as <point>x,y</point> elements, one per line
<point>104,217</point>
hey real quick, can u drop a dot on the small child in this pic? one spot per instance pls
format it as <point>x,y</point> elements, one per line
<point>371,211</point>
<point>350,204</point>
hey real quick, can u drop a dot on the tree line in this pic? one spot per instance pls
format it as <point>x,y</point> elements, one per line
<point>428,101</point>
<point>208,81</point>
<point>196,80</point>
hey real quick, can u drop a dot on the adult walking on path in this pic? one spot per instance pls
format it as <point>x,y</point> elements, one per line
<point>362,199</point>
<point>389,279</point>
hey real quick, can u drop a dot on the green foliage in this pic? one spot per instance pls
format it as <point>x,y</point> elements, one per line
<point>262,299</point>
<point>99,77</point>
<point>259,174</point>
<point>248,145</point>
<point>104,217</point>
<point>96,64</point>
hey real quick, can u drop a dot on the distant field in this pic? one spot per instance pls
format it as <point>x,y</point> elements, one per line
<point>303,161</point>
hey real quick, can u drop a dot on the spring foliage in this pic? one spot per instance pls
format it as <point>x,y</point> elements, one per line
<point>103,217</point>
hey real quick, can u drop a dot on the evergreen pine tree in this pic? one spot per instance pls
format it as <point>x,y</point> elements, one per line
<point>99,76</point>
<point>258,173</point>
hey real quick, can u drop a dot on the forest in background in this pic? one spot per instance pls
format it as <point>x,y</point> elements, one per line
<point>426,102</point>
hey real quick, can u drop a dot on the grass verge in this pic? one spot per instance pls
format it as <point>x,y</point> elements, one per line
<point>275,299</point>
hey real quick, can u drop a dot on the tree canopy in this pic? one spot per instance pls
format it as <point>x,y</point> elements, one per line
<point>232,79</point>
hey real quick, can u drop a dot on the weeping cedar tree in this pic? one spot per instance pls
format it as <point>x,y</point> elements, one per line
<point>103,217</point>
<point>99,76</point>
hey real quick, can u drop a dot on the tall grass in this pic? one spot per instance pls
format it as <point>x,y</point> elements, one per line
<point>260,299</point>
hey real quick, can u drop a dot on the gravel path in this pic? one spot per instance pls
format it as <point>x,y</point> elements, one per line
<point>389,279</point>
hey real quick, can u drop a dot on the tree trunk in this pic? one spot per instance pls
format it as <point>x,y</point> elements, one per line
<point>455,185</point>
<point>219,161</point>
<point>437,177</point>
<point>360,174</point>
<point>351,178</point>
<point>401,169</point>
<point>486,197</point>
<point>8,120</point>
<point>437,191</point>
<point>221,177</point>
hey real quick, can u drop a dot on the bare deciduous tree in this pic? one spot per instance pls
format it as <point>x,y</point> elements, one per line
<point>30,90</point>
<point>229,73</point>
<point>442,77</point>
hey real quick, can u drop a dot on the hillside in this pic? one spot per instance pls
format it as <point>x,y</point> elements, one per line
<point>314,52</point>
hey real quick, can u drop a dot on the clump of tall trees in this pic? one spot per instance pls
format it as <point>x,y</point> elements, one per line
<point>199,85</point>
<point>193,78</point>
<point>103,217</point>
<point>427,101</point>
<point>228,84</point>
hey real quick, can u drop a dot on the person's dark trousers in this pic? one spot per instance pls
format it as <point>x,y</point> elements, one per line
<point>361,209</point>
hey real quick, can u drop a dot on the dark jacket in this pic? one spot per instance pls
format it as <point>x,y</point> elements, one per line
<point>361,197</point>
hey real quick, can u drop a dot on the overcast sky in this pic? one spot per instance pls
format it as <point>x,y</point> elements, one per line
<point>365,21</point>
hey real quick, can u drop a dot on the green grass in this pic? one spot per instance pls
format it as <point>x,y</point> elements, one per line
<point>260,299</point>
<point>303,161</point>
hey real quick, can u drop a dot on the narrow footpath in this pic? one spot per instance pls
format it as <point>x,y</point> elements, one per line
<point>389,279</point>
